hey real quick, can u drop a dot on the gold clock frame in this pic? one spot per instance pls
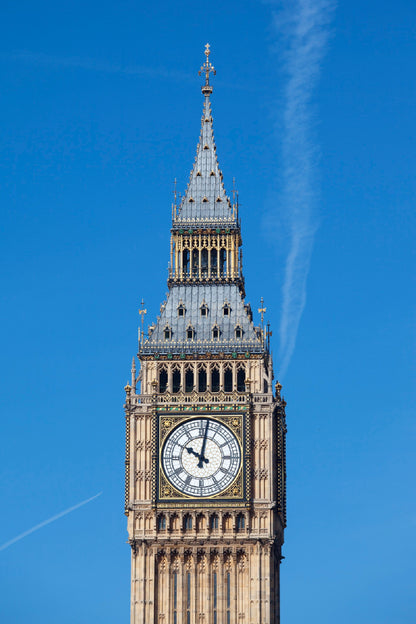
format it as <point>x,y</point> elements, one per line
<point>237,493</point>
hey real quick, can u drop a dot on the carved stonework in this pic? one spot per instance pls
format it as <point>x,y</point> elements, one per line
<point>204,432</point>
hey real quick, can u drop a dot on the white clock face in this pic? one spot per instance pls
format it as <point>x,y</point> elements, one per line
<point>201,457</point>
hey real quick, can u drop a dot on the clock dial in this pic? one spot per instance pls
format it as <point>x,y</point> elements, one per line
<point>201,457</point>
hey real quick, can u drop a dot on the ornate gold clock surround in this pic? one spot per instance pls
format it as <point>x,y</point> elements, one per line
<point>238,492</point>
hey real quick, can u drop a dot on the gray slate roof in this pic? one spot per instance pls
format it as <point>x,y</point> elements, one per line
<point>192,297</point>
<point>205,186</point>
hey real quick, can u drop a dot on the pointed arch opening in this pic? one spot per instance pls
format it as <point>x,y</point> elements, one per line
<point>241,379</point>
<point>163,380</point>
<point>176,379</point>
<point>228,378</point>
<point>215,379</point>
<point>202,379</point>
<point>195,262</point>
<point>185,261</point>
<point>204,262</point>
<point>189,379</point>
<point>223,262</point>
<point>214,262</point>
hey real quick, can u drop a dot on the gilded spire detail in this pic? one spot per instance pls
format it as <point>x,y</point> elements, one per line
<point>207,68</point>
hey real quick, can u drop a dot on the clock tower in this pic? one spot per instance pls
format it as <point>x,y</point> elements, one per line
<point>205,427</point>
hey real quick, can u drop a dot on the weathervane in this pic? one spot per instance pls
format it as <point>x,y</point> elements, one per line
<point>208,68</point>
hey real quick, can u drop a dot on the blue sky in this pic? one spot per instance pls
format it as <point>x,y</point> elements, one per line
<point>100,111</point>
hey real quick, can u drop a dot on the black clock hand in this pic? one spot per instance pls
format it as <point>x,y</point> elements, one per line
<point>202,457</point>
<point>191,450</point>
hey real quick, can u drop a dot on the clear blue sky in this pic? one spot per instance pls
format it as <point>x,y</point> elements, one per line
<point>100,110</point>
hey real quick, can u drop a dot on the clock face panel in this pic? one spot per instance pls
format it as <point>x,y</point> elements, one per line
<point>201,457</point>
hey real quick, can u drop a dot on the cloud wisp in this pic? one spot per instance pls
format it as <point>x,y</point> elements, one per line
<point>302,29</point>
<point>48,521</point>
<point>74,62</point>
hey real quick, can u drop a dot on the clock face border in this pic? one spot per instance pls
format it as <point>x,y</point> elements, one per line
<point>237,490</point>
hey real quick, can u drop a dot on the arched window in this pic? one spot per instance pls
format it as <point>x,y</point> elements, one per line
<point>167,332</point>
<point>241,522</point>
<point>238,332</point>
<point>215,332</point>
<point>185,261</point>
<point>265,386</point>
<point>187,523</point>
<point>161,523</point>
<point>190,333</point>
<point>189,380</point>
<point>181,310</point>
<point>227,523</point>
<point>176,380</point>
<point>204,309</point>
<point>213,522</point>
<point>195,261</point>
<point>241,380</point>
<point>226,309</point>
<point>215,379</point>
<point>202,380</point>
<point>204,262</point>
<point>228,379</point>
<point>214,262</point>
<point>223,262</point>
<point>163,380</point>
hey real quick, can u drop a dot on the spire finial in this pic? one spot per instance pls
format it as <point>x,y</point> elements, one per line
<point>208,68</point>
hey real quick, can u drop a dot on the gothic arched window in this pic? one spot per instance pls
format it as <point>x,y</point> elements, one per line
<point>241,522</point>
<point>189,380</point>
<point>163,380</point>
<point>215,332</point>
<point>176,379</point>
<point>202,379</point>
<point>204,261</point>
<point>228,379</point>
<point>215,379</point>
<point>241,379</point>
<point>185,261</point>
<point>214,261</point>
<point>223,262</point>
<point>195,261</point>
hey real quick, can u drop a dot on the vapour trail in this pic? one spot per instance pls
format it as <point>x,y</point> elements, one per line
<point>40,59</point>
<point>45,522</point>
<point>302,29</point>
<point>75,62</point>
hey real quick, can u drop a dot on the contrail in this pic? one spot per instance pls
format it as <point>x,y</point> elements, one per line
<point>45,522</point>
<point>302,28</point>
<point>88,64</point>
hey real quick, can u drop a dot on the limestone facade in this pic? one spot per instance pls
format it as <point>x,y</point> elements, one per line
<point>205,559</point>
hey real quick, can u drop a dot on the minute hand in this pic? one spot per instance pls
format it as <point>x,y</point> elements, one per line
<point>204,443</point>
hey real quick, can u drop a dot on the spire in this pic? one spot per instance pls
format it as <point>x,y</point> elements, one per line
<point>205,199</point>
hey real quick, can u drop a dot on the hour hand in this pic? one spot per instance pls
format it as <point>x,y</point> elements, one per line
<point>191,451</point>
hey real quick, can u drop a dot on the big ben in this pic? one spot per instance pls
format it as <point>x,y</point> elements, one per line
<point>205,426</point>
